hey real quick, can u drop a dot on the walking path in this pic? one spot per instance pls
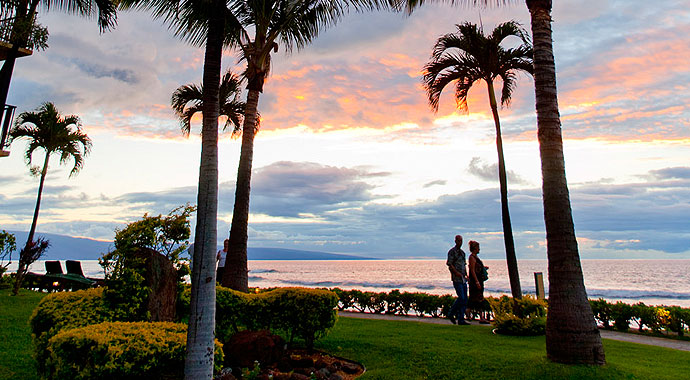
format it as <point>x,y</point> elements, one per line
<point>682,345</point>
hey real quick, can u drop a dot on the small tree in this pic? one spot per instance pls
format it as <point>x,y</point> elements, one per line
<point>124,272</point>
<point>8,245</point>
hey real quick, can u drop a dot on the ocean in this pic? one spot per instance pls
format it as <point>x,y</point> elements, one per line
<point>654,282</point>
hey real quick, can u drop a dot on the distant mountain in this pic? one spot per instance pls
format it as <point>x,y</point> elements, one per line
<point>295,254</point>
<point>72,248</point>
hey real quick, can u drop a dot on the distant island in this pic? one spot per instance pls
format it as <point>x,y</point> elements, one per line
<point>64,247</point>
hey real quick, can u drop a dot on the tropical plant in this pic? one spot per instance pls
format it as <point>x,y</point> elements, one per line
<point>571,332</point>
<point>468,57</point>
<point>21,14</point>
<point>7,246</point>
<point>229,104</point>
<point>46,129</point>
<point>293,24</point>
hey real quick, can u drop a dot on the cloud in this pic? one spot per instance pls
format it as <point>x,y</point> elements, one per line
<point>489,172</point>
<point>671,173</point>
<point>435,183</point>
<point>100,71</point>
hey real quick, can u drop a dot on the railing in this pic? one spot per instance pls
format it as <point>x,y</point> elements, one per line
<point>7,26</point>
<point>6,119</point>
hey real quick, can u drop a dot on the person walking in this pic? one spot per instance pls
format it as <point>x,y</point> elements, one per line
<point>477,275</point>
<point>457,265</point>
<point>220,258</point>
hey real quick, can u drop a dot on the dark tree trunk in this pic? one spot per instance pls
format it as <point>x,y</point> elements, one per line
<point>23,266</point>
<point>571,332</point>
<point>235,275</point>
<point>511,259</point>
<point>200,333</point>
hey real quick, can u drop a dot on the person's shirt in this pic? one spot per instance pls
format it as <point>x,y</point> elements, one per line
<point>223,255</point>
<point>457,259</point>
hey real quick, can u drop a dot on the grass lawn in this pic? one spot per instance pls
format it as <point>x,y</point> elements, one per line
<point>405,350</point>
<point>410,350</point>
<point>16,361</point>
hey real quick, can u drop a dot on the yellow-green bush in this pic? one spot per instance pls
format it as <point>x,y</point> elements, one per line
<point>531,321</point>
<point>63,311</point>
<point>120,350</point>
<point>300,313</point>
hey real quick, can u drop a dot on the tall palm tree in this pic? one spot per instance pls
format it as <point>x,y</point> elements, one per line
<point>259,27</point>
<point>23,13</point>
<point>571,332</point>
<point>46,129</point>
<point>229,104</point>
<point>465,58</point>
<point>201,23</point>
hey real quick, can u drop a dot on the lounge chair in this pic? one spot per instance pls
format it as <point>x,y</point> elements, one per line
<point>74,268</point>
<point>55,279</point>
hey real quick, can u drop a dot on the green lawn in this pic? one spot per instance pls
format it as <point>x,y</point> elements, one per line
<point>410,350</point>
<point>405,350</point>
<point>16,361</point>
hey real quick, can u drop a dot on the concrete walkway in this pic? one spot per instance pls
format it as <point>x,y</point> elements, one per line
<point>682,345</point>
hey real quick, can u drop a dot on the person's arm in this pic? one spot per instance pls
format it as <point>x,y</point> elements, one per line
<point>473,274</point>
<point>454,271</point>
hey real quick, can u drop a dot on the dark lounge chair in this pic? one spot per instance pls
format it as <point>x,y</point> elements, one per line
<point>55,279</point>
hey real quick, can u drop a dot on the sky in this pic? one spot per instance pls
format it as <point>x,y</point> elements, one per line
<point>351,159</point>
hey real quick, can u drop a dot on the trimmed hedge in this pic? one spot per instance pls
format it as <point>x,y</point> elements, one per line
<point>63,311</point>
<point>531,321</point>
<point>301,313</point>
<point>655,318</point>
<point>121,350</point>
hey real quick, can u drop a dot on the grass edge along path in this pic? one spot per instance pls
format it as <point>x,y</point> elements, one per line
<point>16,360</point>
<point>416,350</point>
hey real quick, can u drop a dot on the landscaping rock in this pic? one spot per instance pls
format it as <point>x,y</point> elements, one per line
<point>245,347</point>
<point>301,362</point>
<point>161,277</point>
<point>298,376</point>
<point>350,368</point>
<point>225,374</point>
<point>335,376</point>
<point>320,364</point>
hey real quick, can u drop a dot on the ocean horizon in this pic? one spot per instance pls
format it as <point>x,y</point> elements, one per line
<point>627,280</point>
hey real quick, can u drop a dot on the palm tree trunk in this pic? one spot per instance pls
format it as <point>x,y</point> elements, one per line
<point>235,275</point>
<point>571,332</point>
<point>202,318</point>
<point>23,267</point>
<point>511,259</point>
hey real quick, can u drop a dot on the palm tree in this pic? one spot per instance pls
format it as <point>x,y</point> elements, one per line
<point>467,57</point>
<point>229,104</point>
<point>201,23</point>
<point>23,14</point>
<point>294,24</point>
<point>46,129</point>
<point>571,332</point>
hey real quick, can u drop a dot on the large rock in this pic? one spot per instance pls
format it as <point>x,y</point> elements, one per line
<point>161,277</point>
<point>245,347</point>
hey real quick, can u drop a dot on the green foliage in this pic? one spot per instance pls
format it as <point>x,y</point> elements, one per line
<point>127,293</point>
<point>16,361</point>
<point>532,319</point>
<point>121,350</point>
<point>295,313</point>
<point>7,246</point>
<point>657,318</point>
<point>64,311</point>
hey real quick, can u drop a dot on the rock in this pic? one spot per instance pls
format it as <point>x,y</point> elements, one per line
<point>245,347</point>
<point>305,371</point>
<point>161,277</point>
<point>320,364</point>
<point>334,367</point>
<point>284,364</point>
<point>335,376</point>
<point>323,373</point>
<point>298,376</point>
<point>301,362</point>
<point>350,368</point>
<point>225,374</point>
<point>281,376</point>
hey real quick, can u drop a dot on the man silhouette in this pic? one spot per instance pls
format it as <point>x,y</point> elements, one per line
<point>457,264</point>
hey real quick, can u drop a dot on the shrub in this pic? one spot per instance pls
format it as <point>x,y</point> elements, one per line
<point>645,316</point>
<point>506,322</point>
<point>64,311</point>
<point>301,313</point>
<point>621,313</point>
<point>602,312</point>
<point>121,350</point>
